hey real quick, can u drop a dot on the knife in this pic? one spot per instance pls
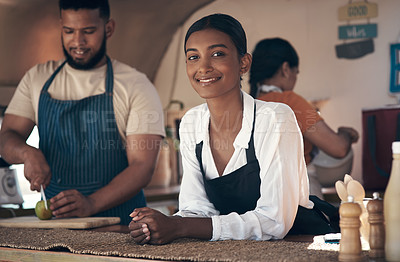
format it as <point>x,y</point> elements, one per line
<point>43,196</point>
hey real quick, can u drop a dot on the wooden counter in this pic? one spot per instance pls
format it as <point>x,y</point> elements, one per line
<point>26,255</point>
<point>85,245</point>
<point>20,244</point>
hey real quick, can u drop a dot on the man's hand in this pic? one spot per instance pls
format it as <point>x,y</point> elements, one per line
<point>36,169</point>
<point>14,132</point>
<point>71,203</point>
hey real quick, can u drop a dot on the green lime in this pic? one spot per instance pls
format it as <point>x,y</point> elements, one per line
<point>41,211</point>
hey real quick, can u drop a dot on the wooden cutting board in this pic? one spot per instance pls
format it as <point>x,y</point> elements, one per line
<point>71,223</point>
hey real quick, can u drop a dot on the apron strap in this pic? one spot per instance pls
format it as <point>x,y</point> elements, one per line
<point>199,150</point>
<point>50,80</point>
<point>109,77</point>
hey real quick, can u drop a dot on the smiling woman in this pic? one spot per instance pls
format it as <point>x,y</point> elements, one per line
<point>244,175</point>
<point>212,59</point>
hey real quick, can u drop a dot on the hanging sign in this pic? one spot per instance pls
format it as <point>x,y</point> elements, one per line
<point>357,31</point>
<point>355,49</point>
<point>358,10</point>
<point>365,32</point>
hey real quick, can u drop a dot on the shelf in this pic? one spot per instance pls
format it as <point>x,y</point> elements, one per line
<point>154,194</point>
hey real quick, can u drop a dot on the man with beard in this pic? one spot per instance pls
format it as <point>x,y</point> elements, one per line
<point>100,122</point>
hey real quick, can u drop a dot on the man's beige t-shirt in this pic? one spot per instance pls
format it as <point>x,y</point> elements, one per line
<point>137,106</point>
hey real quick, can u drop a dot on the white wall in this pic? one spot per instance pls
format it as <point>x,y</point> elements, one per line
<point>311,26</point>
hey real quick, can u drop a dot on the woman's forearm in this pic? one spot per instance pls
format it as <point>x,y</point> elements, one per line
<point>194,227</point>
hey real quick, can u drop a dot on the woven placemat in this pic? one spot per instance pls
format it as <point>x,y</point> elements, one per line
<point>119,244</point>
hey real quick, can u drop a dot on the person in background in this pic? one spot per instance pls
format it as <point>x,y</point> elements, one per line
<point>244,174</point>
<point>273,75</point>
<point>100,122</point>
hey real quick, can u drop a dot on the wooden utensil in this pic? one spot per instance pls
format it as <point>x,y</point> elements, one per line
<point>347,179</point>
<point>341,190</point>
<point>355,189</point>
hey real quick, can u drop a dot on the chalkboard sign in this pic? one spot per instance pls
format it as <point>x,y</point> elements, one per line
<point>355,49</point>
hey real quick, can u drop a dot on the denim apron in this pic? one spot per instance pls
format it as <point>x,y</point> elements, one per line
<point>82,145</point>
<point>237,191</point>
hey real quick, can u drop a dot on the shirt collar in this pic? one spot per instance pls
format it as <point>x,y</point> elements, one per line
<point>243,137</point>
<point>268,88</point>
<point>95,69</point>
<point>203,124</point>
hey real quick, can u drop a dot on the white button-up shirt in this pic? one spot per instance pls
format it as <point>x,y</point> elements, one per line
<point>279,149</point>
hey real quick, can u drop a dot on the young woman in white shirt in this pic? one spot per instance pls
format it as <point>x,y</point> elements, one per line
<point>244,174</point>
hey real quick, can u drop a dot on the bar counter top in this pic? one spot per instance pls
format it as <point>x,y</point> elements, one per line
<point>112,243</point>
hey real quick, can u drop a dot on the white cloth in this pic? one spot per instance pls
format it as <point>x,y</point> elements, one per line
<point>279,150</point>
<point>137,106</point>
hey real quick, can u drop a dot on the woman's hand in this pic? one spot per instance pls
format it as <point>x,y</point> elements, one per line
<point>139,232</point>
<point>151,226</point>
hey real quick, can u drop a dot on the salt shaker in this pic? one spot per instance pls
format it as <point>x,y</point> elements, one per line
<point>350,243</point>
<point>377,227</point>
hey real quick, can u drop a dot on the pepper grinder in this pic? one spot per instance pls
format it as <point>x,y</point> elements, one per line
<point>377,227</point>
<point>350,243</point>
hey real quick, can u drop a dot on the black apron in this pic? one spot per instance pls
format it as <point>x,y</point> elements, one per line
<point>239,192</point>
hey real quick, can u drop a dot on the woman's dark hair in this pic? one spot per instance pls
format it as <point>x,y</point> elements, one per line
<point>103,6</point>
<point>224,23</point>
<point>268,57</point>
